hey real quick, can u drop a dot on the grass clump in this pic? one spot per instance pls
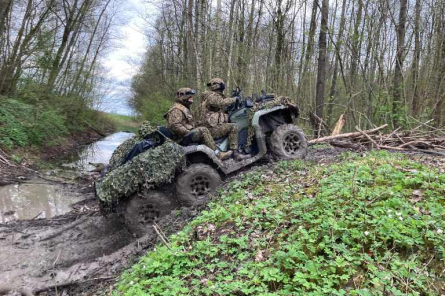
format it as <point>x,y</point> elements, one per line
<point>369,225</point>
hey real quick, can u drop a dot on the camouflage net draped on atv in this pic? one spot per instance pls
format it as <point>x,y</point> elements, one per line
<point>121,152</point>
<point>145,171</point>
<point>281,100</point>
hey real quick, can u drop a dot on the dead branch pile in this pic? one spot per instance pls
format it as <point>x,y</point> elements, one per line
<point>432,142</point>
<point>4,159</point>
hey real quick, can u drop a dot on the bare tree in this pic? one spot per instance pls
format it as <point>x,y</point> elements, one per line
<point>321,76</point>
<point>398,76</point>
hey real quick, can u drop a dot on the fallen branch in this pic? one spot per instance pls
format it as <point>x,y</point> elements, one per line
<point>367,136</point>
<point>347,135</point>
<point>339,125</point>
<point>5,161</point>
<point>346,144</point>
<point>161,236</point>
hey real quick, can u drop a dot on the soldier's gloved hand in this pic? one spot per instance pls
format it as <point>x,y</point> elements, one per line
<point>236,92</point>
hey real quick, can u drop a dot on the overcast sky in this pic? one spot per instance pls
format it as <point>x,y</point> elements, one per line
<point>123,61</point>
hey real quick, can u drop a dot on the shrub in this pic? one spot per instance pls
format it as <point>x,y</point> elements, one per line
<point>23,124</point>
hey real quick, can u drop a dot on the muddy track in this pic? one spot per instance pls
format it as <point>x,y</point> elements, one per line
<point>83,252</point>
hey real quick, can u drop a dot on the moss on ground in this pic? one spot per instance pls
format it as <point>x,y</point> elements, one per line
<point>371,225</point>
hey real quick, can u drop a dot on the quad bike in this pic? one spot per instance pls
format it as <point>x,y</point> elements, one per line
<point>272,132</point>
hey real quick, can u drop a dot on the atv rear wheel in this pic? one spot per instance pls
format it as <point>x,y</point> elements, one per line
<point>288,142</point>
<point>195,184</point>
<point>144,208</point>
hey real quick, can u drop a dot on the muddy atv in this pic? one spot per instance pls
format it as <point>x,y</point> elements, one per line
<point>266,128</point>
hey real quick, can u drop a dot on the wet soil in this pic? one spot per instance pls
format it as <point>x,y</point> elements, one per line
<point>12,172</point>
<point>84,253</point>
<point>71,254</point>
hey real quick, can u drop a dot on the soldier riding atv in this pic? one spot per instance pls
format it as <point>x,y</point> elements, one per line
<point>141,169</point>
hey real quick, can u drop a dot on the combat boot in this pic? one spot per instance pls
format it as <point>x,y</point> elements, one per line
<point>239,156</point>
<point>224,155</point>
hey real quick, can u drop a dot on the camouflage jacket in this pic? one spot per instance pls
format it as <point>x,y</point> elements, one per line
<point>212,108</point>
<point>179,120</point>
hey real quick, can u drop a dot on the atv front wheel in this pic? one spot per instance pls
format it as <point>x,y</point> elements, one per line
<point>195,184</point>
<point>144,208</point>
<point>288,142</point>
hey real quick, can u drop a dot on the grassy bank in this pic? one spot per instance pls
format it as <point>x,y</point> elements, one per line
<point>44,124</point>
<point>124,122</point>
<point>369,225</point>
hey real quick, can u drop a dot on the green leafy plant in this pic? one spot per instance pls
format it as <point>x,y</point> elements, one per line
<point>369,225</point>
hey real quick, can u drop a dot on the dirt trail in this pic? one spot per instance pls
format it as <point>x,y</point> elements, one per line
<point>81,251</point>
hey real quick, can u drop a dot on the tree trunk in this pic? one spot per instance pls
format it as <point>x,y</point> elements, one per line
<point>355,52</point>
<point>398,78</point>
<point>332,92</point>
<point>5,8</point>
<point>232,17</point>
<point>321,76</point>
<point>218,43</point>
<point>416,59</point>
<point>191,77</point>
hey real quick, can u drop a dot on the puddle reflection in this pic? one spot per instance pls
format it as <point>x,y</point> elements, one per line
<point>98,152</point>
<point>26,201</point>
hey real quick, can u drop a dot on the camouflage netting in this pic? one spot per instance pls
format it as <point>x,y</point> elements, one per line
<point>121,152</point>
<point>281,100</point>
<point>123,149</point>
<point>147,170</point>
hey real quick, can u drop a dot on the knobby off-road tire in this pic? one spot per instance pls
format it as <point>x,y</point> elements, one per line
<point>143,209</point>
<point>288,142</point>
<point>195,184</point>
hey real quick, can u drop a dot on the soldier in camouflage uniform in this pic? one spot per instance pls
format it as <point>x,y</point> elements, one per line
<point>180,121</point>
<point>216,119</point>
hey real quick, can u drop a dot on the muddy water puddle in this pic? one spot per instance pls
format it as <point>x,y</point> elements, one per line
<point>29,201</point>
<point>97,152</point>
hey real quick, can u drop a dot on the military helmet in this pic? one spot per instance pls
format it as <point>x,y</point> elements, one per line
<point>146,129</point>
<point>216,84</point>
<point>183,94</point>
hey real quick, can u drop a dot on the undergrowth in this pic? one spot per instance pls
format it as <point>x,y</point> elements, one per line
<point>371,225</point>
<point>26,123</point>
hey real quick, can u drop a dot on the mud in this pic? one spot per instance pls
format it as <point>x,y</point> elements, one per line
<point>84,253</point>
<point>74,252</point>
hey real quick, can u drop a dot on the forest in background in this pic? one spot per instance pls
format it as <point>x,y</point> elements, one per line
<point>51,67</point>
<point>375,61</point>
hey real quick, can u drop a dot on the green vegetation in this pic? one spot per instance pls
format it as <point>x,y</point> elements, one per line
<point>369,225</point>
<point>124,122</point>
<point>151,106</point>
<point>27,122</point>
<point>23,125</point>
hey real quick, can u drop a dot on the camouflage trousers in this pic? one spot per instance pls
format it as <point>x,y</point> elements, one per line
<point>226,129</point>
<point>202,134</point>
